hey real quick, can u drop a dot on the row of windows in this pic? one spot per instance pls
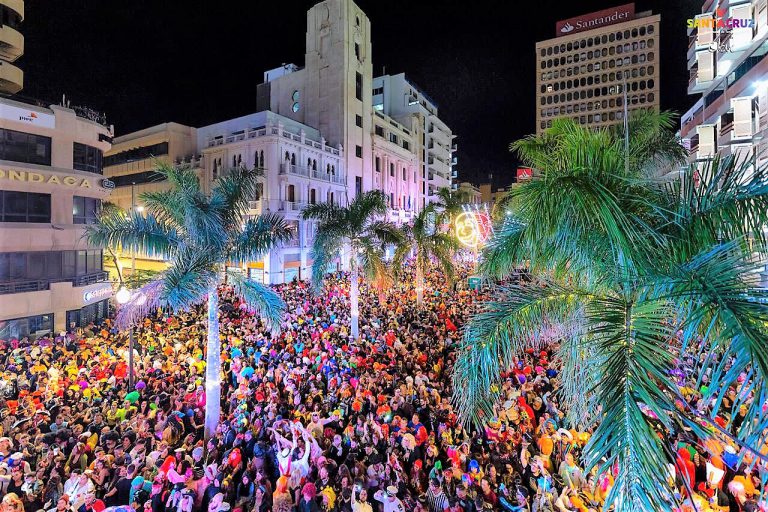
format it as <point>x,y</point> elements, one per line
<point>311,163</point>
<point>596,54</point>
<point>28,266</point>
<point>137,178</point>
<point>87,158</point>
<point>596,105</point>
<point>589,118</point>
<point>85,210</point>
<point>134,154</point>
<point>589,42</point>
<point>25,207</point>
<point>640,85</point>
<point>608,64</point>
<point>377,165</point>
<point>24,147</point>
<point>596,78</point>
<point>595,92</point>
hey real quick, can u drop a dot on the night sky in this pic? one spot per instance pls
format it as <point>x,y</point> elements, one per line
<point>196,62</point>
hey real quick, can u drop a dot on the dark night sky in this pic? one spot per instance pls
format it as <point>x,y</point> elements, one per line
<point>144,62</point>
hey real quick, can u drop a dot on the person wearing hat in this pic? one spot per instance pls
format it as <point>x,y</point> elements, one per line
<point>389,500</point>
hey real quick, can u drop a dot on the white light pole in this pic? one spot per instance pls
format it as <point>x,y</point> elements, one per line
<point>123,296</point>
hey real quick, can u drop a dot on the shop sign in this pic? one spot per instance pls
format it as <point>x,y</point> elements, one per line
<point>97,294</point>
<point>24,115</point>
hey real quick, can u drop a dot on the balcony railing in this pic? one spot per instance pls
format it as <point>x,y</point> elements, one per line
<point>292,206</point>
<point>37,285</point>
<point>296,170</point>
<point>306,172</point>
<point>252,133</point>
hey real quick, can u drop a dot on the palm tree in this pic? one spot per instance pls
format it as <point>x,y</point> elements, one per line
<point>642,269</point>
<point>450,204</point>
<point>198,234</point>
<point>427,242</point>
<point>359,229</point>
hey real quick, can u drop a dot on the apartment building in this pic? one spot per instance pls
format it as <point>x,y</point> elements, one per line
<point>596,63</point>
<point>728,72</point>
<point>11,45</point>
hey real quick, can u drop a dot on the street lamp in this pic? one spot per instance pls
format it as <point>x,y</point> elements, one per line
<point>123,295</point>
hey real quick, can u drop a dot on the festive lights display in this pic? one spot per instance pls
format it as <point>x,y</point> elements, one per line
<point>474,226</point>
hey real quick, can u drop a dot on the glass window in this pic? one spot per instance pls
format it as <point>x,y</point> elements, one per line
<point>141,153</point>
<point>359,86</point>
<point>68,264</point>
<point>25,207</point>
<point>25,147</point>
<point>36,265</point>
<point>81,263</point>
<point>87,158</point>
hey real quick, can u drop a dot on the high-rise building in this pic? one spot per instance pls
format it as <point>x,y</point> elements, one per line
<point>11,46</point>
<point>398,97</point>
<point>596,61</point>
<point>316,134</point>
<point>728,65</point>
<point>51,186</point>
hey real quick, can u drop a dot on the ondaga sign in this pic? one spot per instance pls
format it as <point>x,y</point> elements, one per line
<point>50,179</point>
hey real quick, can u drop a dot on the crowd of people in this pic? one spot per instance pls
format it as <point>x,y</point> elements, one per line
<point>313,419</point>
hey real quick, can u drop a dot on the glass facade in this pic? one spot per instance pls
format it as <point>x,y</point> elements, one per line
<point>87,158</point>
<point>27,266</point>
<point>25,207</point>
<point>132,155</point>
<point>27,326</point>
<point>24,147</point>
<point>92,313</point>
<point>85,210</point>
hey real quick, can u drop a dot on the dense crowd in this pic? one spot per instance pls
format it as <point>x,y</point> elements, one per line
<point>312,419</point>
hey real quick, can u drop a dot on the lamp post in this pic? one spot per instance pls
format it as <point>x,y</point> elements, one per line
<point>123,296</point>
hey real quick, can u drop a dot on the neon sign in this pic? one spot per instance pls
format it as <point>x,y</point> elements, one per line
<point>473,227</point>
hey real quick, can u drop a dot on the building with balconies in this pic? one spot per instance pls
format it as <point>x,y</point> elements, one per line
<point>398,97</point>
<point>300,168</point>
<point>11,45</point>
<point>472,192</point>
<point>51,185</point>
<point>729,70</point>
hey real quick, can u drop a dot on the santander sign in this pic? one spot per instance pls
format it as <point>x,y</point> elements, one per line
<point>597,19</point>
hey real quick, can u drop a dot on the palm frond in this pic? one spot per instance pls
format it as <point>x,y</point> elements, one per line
<point>235,188</point>
<point>257,236</point>
<point>190,275</point>
<point>263,299</point>
<point>133,232</point>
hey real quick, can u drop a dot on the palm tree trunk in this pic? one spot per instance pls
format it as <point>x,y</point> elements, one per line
<point>213,367</point>
<point>353,298</point>
<point>419,285</point>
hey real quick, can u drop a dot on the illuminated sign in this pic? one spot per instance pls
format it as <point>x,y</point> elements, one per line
<point>473,228</point>
<point>24,115</point>
<point>595,19</point>
<point>524,173</point>
<point>97,294</point>
<point>49,179</point>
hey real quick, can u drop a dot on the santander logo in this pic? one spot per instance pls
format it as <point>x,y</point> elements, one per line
<point>566,28</point>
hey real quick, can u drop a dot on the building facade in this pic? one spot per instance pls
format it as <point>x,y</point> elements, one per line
<point>596,63</point>
<point>52,186</point>
<point>472,192</point>
<point>399,98</point>
<point>11,46</point>
<point>729,72</point>
<point>316,135</point>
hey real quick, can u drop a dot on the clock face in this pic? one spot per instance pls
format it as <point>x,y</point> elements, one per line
<point>295,106</point>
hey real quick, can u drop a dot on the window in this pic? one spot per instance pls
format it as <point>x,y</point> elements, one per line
<point>25,207</point>
<point>291,193</point>
<point>295,95</point>
<point>405,174</point>
<point>378,90</point>
<point>378,164</point>
<point>391,169</point>
<point>86,158</point>
<point>358,186</point>
<point>132,155</point>
<point>359,151</point>
<point>359,86</point>
<point>357,51</point>
<point>393,138</point>
<point>379,131</point>
<point>25,147</point>
<point>85,210</point>
<point>359,121</point>
<point>295,106</point>
<point>312,196</point>
<point>406,145</point>
<point>27,326</point>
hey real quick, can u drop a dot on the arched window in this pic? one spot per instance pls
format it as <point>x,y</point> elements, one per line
<point>314,165</point>
<point>309,163</point>
<point>333,170</point>
<point>234,160</point>
<point>287,155</point>
<point>330,197</point>
<point>261,158</point>
<point>290,193</point>
<point>312,196</point>
<point>215,173</point>
<point>256,159</point>
<point>293,158</point>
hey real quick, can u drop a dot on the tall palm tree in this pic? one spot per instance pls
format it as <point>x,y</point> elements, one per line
<point>450,204</point>
<point>199,235</point>
<point>628,260</point>
<point>358,229</point>
<point>427,242</point>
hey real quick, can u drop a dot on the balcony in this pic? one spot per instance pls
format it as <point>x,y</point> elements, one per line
<point>11,78</point>
<point>694,144</point>
<point>11,43</point>
<point>306,172</point>
<point>38,285</point>
<point>292,206</point>
<point>294,170</point>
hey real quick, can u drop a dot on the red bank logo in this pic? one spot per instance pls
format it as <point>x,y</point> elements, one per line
<point>596,19</point>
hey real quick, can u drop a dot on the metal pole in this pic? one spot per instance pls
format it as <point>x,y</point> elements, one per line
<point>130,359</point>
<point>626,126</point>
<point>133,254</point>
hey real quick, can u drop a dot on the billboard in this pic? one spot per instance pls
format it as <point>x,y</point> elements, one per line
<point>597,19</point>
